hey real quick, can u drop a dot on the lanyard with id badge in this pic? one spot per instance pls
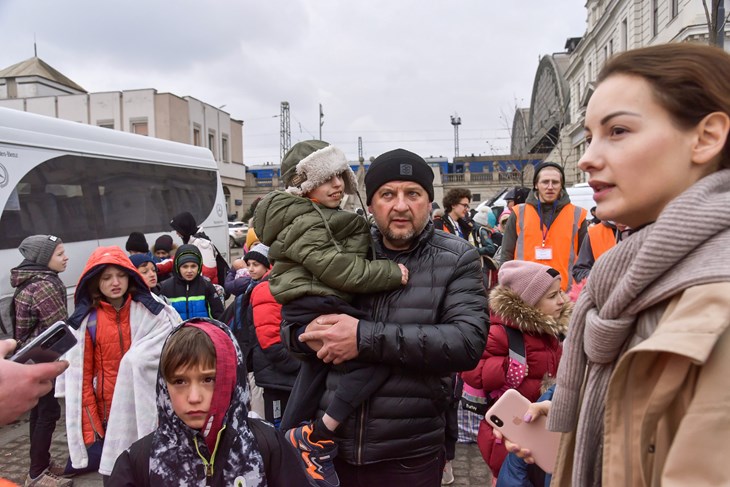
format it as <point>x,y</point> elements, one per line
<point>542,252</point>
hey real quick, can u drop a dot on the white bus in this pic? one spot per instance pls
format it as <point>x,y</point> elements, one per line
<point>93,186</point>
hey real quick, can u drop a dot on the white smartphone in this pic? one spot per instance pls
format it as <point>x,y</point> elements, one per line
<point>56,340</point>
<point>506,416</point>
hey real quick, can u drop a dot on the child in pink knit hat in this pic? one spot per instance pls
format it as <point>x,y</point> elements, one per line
<point>528,299</point>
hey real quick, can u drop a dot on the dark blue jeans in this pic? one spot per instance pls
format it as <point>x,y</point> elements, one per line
<point>43,418</point>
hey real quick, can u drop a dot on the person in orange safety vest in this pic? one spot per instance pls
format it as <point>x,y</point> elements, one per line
<point>600,239</point>
<point>547,228</point>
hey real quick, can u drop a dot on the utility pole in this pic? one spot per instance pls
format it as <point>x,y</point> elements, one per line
<point>285,134</point>
<point>456,121</point>
<point>720,39</point>
<point>321,121</point>
<point>359,150</point>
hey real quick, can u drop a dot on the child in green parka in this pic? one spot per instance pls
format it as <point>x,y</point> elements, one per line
<point>320,255</point>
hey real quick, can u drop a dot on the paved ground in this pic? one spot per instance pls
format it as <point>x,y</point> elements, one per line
<point>469,467</point>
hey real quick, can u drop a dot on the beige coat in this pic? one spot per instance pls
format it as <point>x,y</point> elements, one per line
<point>667,420</point>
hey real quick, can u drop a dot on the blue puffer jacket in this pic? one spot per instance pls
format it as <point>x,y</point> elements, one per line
<point>191,299</point>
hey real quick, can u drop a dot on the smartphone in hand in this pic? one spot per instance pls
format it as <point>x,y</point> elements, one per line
<point>48,346</point>
<point>506,417</point>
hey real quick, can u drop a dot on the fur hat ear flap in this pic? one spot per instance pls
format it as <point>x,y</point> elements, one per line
<point>350,181</point>
<point>319,166</point>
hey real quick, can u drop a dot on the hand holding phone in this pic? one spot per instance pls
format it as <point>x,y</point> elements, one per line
<point>22,385</point>
<point>56,340</point>
<point>506,416</point>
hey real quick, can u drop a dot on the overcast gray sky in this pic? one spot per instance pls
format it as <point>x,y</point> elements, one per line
<point>390,71</point>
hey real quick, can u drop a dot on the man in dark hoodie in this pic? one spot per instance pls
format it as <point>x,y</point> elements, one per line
<point>191,294</point>
<point>39,302</point>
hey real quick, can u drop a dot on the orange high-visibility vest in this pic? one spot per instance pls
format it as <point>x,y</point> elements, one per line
<point>602,239</point>
<point>562,238</point>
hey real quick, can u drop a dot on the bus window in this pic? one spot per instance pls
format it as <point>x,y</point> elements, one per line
<point>90,198</point>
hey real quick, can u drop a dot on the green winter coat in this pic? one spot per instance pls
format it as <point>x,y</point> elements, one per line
<point>318,251</point>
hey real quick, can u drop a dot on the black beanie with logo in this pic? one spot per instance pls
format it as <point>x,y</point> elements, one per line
<point>398,165</point>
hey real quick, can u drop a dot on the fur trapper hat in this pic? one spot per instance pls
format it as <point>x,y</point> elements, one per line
<point>310,163</point>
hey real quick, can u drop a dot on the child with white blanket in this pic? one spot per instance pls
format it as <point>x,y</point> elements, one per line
<point>110,384</point>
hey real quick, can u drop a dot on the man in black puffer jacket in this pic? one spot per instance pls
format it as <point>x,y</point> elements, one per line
<point>434,326</point>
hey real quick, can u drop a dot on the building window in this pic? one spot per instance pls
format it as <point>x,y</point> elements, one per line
<point>610,47</point>
<point>590,72</point>
<point>624,35</point>
<point>224,149</point>
<point>675,8</point>
<point>107,124</point>
<point>139,127</point>
<point>654,17</point>
<point>196,136</point>
<point>211,143</point>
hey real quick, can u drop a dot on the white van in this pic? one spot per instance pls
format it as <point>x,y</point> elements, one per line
<point>93,186</point>
<point>582,195</point>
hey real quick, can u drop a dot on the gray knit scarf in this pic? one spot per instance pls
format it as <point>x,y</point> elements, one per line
<point>688,245</point>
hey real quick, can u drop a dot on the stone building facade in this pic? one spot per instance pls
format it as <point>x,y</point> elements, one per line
<point>34,86</point>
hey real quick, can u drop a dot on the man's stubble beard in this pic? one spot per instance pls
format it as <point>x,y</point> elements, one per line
<point>404,239</point>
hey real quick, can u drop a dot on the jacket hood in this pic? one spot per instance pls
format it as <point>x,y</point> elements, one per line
<point>239,457</point>
<point>99,259</point>
<point>187,253</point>
<point>184,224</point>
<point>201,241</point>
<point>28,270</point>
<point>228,361</point>
<point>509,309</point>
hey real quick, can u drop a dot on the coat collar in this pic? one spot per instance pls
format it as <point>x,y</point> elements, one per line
<point>680,332</point>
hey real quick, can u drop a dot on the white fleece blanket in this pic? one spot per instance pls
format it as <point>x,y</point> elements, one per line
<point>134,411</point>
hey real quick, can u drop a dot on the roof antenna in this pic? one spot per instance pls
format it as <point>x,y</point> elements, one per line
<point>35,47</point>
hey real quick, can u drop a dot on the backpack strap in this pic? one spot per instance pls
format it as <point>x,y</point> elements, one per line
<point>265,436</point>
<point>91,325</point>
<point>516,344</point>
<point>479,404</point>
<point>12,311</point>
